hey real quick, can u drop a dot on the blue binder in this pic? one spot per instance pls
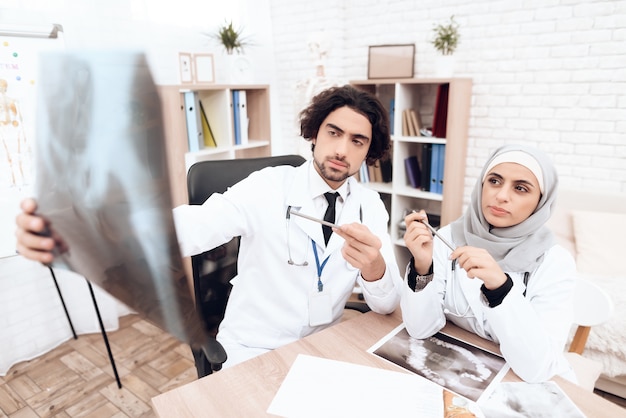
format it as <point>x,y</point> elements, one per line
<point>195,139</point>
<point>440,167</point>
<point>434,169</point>
<point>424,160</point>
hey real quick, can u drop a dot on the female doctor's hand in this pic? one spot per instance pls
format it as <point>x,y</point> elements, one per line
<point>362,250</point>
<point>478,263</point>
<point>419,240</point>
<point>35,238</point>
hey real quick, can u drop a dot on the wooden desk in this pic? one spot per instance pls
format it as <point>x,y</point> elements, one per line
<point>248,388</point>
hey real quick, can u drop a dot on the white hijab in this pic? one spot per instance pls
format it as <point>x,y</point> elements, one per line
<point>517,248</point>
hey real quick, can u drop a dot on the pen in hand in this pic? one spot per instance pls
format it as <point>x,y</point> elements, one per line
<point>310,218</point>
<point>437,234</point>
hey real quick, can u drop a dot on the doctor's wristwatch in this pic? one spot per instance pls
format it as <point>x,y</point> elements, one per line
<point>416,281</point>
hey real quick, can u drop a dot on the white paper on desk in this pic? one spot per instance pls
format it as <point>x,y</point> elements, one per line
<point>317,387</point>
<point>530,400</point>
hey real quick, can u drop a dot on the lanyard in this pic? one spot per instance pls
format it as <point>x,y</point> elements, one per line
<point>320,285</point>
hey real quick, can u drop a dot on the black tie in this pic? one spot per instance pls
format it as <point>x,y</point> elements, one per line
<point>329,216</point>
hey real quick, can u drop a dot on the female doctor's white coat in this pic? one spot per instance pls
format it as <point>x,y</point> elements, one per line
<point>531,324</point>
<point>268,304</point>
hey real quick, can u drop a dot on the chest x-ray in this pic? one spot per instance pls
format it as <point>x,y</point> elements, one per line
<point>102,181</point>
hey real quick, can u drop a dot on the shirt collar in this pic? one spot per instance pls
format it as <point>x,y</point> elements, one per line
<point>318,186</point>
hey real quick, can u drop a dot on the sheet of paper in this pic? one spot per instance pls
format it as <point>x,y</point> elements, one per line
<point>521,400</point>
<point>316,387</point>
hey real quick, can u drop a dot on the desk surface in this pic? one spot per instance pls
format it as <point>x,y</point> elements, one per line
<point>247,389</point>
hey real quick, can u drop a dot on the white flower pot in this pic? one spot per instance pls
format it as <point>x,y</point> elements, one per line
<point>235,69</point>
<point>444,65</point>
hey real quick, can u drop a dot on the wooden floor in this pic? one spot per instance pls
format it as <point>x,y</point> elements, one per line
<point>76,379</point>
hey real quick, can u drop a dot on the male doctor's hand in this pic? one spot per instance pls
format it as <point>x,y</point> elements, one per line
<point>362,250</point>
<point>36,240</point>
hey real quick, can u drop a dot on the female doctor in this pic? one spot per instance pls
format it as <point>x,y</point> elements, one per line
<point>506,280</point>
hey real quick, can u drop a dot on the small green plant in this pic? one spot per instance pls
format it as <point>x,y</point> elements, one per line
<point>230,38</point>
<point>446,37</point>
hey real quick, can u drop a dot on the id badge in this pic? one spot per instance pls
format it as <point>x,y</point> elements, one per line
<point>320,309</point>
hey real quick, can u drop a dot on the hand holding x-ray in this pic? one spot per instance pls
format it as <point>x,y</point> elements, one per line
<point>102,182</point>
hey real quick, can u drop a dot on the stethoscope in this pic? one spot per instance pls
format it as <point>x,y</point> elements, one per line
<point>306,254</point>
<point>453,298</point>
<point>304,263</point>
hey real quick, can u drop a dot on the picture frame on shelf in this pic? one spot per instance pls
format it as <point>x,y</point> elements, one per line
<point>391,61</point>
<point>204,68</point>
<point>184,65</point>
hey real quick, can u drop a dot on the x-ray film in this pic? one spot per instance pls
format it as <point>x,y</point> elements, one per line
<point>102,181</point>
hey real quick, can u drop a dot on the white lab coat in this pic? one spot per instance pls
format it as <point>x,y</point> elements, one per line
<point>532,331</point>
<point>268,304</point>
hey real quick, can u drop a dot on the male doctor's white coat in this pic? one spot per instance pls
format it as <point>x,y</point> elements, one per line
<point>268,304</point>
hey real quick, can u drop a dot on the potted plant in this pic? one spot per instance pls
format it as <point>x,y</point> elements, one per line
<point>445,41</point>
<point>230,38</point>
<point>234,67</point>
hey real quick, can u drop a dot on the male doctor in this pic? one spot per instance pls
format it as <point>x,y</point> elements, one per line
<point>290,282</point>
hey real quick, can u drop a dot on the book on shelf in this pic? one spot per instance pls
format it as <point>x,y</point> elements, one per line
<point>424,158</point>
<point>195,137</point>
<point>413,172</point>
<point>244,122</point>
<point>440,167</point>
<point>415,120</point>
<point>236,115</point>
<point>241,121</point>
<point>207,132</point>
<point>373,174</point>
<point>380,172</point>
<point>441,111</point>
<point>410,124</point>
<point>405,123</point>
<point>436,168</point>
<point>386,169</point>
<point>363,173</point>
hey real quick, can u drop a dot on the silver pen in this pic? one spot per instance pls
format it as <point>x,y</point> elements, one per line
<point>437,234</point>
<point>302,215</point>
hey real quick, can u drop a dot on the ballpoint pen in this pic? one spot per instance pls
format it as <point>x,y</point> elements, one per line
<point>302,215</point>
<point>437,234</point>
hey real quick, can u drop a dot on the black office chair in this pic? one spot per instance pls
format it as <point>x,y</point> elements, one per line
<point>213,270</point>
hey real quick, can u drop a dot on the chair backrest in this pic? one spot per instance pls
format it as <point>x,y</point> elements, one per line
<point>592,306</point>
<point>216,176</point>
<point>213,270</point>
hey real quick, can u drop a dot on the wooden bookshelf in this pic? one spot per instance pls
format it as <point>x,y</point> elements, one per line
<point>217,104</point>
<point>421,96</point>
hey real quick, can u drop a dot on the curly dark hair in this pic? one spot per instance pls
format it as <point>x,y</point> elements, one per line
<point>368,105</point>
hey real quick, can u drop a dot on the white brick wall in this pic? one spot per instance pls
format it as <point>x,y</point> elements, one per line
<point>551,74</point>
